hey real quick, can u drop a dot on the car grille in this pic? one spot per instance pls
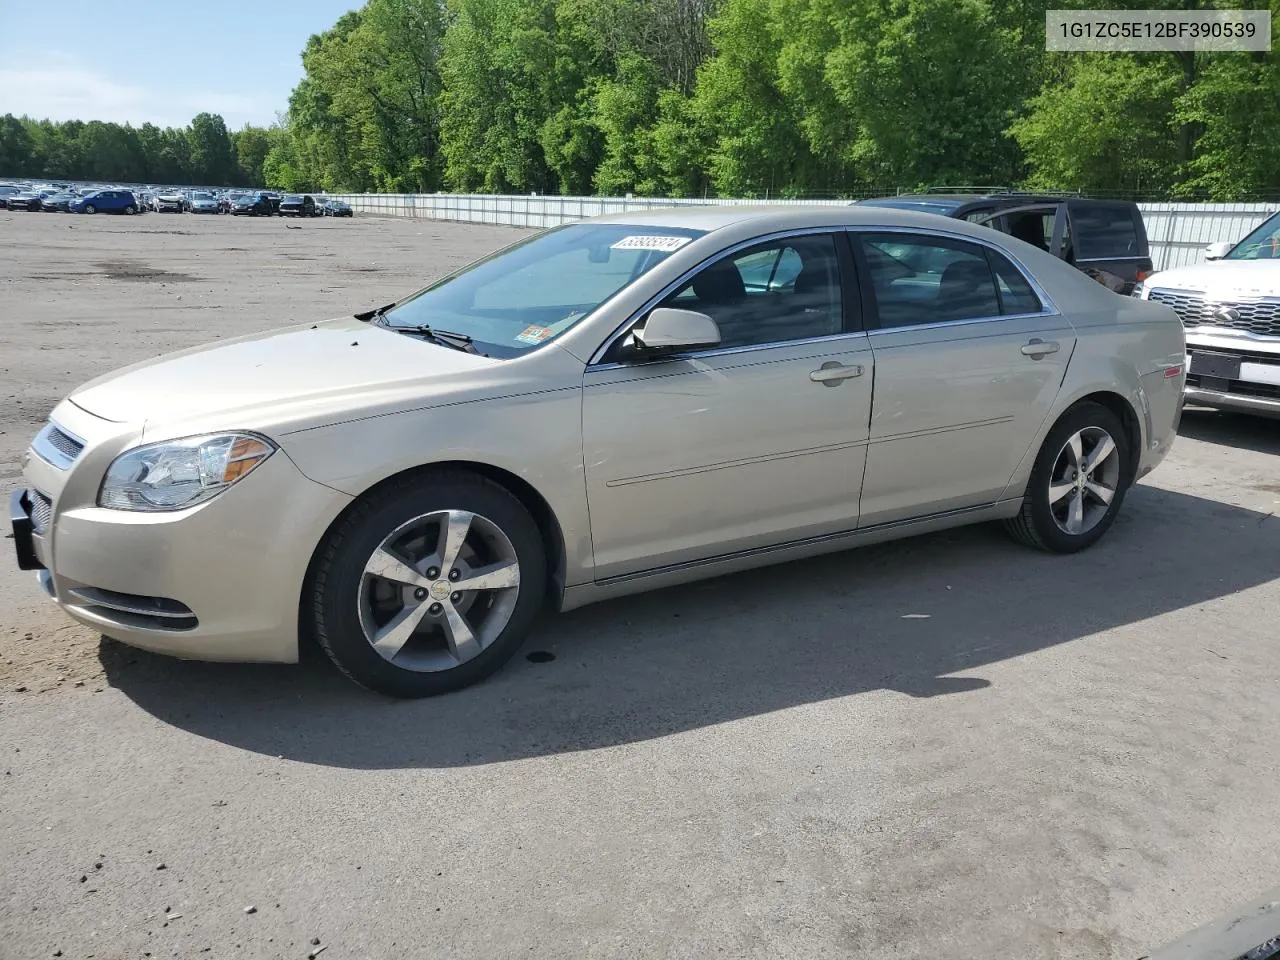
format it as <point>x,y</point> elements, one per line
<point>41,510</point>
<point>1260,317</point>
<point>56,446</point>
<point>64,443</point>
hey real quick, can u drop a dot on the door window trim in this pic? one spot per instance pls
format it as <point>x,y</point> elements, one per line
<point>853,315</point>
<point>871,313</point>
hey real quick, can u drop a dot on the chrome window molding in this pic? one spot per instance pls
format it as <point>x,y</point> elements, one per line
<point>1048,307</point>
<point>713,352</point>
<point>938,324</point>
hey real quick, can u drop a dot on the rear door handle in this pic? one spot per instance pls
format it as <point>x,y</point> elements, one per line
<point>832,374</point>
<point>1037,348</point>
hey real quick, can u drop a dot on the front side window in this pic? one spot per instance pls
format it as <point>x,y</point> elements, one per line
<point>1262,244</point>
<point>532,292</point>
<point>917,279</point>
<point>774,292</point>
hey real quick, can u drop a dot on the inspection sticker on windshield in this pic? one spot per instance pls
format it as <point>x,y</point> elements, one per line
<point>665,244</point>
<point>534,334</point>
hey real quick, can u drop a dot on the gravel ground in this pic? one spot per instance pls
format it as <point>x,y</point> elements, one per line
<point>1062,759</point>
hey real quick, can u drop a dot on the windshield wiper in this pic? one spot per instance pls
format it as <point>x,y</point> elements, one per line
<point>374,315</point>
<point>446,338</point>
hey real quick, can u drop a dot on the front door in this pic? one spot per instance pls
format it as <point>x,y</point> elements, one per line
<point>969,360</point>
<point>757,442</point>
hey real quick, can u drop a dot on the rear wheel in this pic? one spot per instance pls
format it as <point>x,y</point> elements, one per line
<point>428,586</point>
<point>1078,482</point>
<point>130,210</point>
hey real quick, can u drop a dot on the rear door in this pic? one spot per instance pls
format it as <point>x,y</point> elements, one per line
<point>1109,242</point>
<point>969,357</point>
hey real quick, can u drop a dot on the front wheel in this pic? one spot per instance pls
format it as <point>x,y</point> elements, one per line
<point>428,586</point>
<point>130,210</point>
<point>90,208</point>
<point>1077,484</point>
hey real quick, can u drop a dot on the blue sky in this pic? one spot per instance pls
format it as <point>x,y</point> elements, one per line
<point>164,62</point>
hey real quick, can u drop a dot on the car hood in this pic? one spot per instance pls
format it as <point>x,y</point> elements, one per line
<point>1223,278</point>
<point>334,369</point>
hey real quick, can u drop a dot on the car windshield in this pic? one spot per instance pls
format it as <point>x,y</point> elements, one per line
<point>1262,244</point>
<point>530,293</point>
<point>292,198</point>
<point>202,196</point>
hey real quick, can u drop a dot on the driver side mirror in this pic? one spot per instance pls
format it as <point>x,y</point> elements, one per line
<point>669,331</point>
<point>1216,251</point>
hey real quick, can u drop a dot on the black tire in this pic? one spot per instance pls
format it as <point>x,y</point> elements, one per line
<point>1035,524</point>
<point>90,208</point>
<point>130,210</point>
<point>338,569</point>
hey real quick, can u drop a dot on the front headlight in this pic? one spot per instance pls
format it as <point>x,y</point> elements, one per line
<point>178,474</point>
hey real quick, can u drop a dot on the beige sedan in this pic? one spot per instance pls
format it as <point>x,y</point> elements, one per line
<point>604,408</point>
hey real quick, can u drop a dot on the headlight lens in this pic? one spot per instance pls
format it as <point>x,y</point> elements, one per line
<point>178,474</point>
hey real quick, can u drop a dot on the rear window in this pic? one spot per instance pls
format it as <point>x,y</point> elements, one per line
<point>1101,231</point>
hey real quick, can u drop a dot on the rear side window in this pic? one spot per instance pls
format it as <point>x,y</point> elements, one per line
<point>1101,231</point>
<point>1016,295</point>
<point>919,279</point>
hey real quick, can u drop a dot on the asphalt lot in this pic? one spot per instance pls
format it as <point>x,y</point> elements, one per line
<point>1064,757</point>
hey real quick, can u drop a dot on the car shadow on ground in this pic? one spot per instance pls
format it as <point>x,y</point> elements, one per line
<point>1239,430</point>
<point>904,616</point>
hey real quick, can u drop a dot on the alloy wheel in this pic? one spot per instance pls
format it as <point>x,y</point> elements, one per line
<point>438,590</point>
<point>1084,480</point>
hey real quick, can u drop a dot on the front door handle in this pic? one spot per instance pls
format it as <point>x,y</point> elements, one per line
<point>832,374</point>
<point>1037,348</point>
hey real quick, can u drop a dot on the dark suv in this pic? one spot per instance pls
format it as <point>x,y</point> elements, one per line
<point>1105,238</point>
<point>298,205</point>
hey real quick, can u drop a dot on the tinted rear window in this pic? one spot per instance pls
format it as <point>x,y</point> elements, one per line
<point>1100,231</point>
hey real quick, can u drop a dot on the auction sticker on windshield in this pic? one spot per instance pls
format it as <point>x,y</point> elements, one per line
<point>534,335</point>
<point>665,244</point>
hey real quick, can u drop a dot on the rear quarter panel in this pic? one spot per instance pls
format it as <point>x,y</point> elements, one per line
<point>1125,346</point>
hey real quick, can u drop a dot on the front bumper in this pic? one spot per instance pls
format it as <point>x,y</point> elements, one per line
<point>1234,373</point>
<point>219,581</point>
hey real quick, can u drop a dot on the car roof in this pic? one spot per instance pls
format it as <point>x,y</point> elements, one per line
<point>776,217</point>
<point>955,203</point>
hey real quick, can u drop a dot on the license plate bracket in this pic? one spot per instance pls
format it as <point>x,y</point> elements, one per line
<point>1206,363</point>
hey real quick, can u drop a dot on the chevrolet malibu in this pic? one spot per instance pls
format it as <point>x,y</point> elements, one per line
<point>601,409</point>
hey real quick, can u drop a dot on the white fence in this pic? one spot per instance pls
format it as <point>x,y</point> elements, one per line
<point>1178,231</point>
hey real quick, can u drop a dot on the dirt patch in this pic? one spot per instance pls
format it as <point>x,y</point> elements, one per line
<point>49,653</point>
<point>139,272</point>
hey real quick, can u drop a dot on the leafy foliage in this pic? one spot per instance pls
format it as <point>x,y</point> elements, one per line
<point>732,97</point>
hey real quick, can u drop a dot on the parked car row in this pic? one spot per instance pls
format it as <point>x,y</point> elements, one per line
<point>55,199</point>
<point>62,198</point>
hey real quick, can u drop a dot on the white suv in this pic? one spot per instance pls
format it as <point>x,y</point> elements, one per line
<point>1231,309</point>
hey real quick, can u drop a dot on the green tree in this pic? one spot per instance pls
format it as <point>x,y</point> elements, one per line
<point>212,160</point>
<point>1108,125</point>
<point>1235,106</point>
<point>17,152</point>
<point>251,145</point>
